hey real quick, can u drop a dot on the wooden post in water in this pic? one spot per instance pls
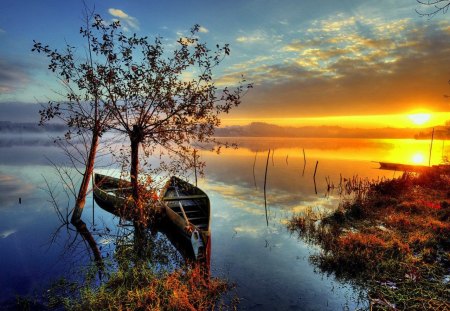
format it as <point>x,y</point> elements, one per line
<point>254,164</point>
<point>265,182</point>
<point>304,162</point>
<point>314,177</point>
<point>431,147</point>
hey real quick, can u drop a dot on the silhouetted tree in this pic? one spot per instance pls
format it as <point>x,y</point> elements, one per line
<point>163,101</point>
<point>160,98</point>
<point>433,7</point>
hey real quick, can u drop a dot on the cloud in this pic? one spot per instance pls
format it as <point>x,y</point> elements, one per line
<point>2,31</point>
<point>351,65</point>
<point>203,29</point>
<point>6,233</point>
<point>332,40</point>
<point>255,36</point>
<point>11,189</point>
<point>13,76</point>
<point>129,21</point>
<point>246,39</point>
<point>118,13</point>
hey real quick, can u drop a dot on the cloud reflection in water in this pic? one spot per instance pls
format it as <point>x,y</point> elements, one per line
<point>11,189</point>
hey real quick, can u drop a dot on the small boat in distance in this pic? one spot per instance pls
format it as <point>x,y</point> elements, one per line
<point>188,208</point>
<point>399,167</point>
<point>403,167</point>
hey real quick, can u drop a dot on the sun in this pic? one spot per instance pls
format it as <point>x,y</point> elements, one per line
<point>418,158</point>
<point>419,118</point>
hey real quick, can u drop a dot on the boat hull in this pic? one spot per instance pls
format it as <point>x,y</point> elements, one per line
<point>187,208</point>
<point>114,195</point>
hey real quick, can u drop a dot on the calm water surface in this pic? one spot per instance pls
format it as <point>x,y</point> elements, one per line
<point>269,265</point>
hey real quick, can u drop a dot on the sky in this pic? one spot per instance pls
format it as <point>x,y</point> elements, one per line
<point>349,62</point>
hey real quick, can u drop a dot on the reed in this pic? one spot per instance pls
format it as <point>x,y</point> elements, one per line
<point>389,238</point>
<point>254,165</point>
<point>265,183</point>
<point>314,176</point>
<point>304,162</point>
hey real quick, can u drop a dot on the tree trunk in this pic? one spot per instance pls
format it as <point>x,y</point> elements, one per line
<point>81,198</point>
<point>134,169</point>
<point>138,214</point>
<point>87,236</point>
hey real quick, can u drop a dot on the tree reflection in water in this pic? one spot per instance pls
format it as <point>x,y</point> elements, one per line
<point>158,269</point>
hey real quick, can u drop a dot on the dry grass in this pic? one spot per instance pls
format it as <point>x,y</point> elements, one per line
<point>144,290</point>
<point>143,280</point>
<point>392,238</point>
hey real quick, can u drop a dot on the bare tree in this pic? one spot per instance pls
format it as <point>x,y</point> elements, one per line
<point>432,7</point>
<point>84,110</point>
<point>163,101</point>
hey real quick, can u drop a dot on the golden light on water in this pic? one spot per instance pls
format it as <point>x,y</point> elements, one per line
<point>419,118</point>
<point>405,151</point>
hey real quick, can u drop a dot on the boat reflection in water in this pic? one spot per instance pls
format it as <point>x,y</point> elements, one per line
<point>187,214</point>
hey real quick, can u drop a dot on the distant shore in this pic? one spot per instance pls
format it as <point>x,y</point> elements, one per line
<point>257,129</point>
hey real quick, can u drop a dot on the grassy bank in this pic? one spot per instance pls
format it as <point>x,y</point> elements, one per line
<point>391,238</point>
<point>140,288</point>
<point>144,281</point>
<point>156,278</point>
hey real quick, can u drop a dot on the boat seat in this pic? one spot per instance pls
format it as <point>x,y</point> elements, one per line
<point>186,205</point>
<point>197,218</point>
<point>117,189</point>
<point>188,212</point>
<point>185,197</point>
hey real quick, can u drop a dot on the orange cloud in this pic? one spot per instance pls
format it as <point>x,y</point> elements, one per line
<point>351,66</point>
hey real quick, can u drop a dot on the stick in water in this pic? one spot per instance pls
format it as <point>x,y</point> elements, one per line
<point>304,162</point>
<point>314,177</point>
<point>273,151</point>
<point>431,147</point>
<point>265,182</point>
<point>254,164</point>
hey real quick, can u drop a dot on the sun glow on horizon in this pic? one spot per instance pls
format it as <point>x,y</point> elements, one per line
<point>419,118</point>
<point>405,120</point>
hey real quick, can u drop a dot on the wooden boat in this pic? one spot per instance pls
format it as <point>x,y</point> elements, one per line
<point>112,194</point>
<point>115,196</point>
<point>403,167</point>
<point>188,208</point>
<point>440,168</point>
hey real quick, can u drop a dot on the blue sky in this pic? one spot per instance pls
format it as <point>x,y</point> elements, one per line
<point>305,58</point>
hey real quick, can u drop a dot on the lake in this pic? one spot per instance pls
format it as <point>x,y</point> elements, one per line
<point>270,266</point>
